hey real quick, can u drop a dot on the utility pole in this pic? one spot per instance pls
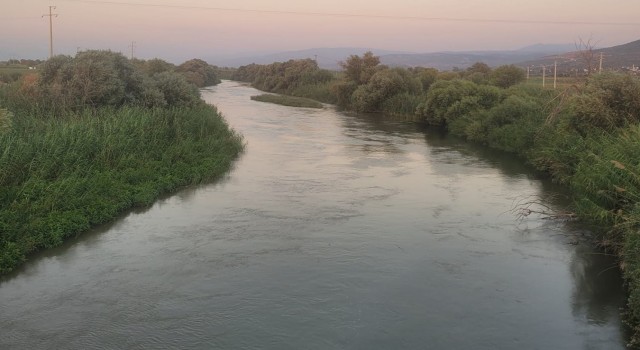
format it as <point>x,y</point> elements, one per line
<point>133,48</point>
<point>527,73</point>
<point>51,15</point>
<point>601,55</point>
<point>555,73</point>
<point>544,74</point>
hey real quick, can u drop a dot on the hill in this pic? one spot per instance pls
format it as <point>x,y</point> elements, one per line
<point>329,58</point>
<point>620,57</point>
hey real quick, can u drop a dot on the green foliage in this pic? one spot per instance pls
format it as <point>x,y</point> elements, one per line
<point>506,76</point>
<point>198,73</point>
<point>320,91</point>
<point>343,90</point>
<point>175,89</point>
<point>156,65</point>
<point>478,67</point>
<point>513,124</point>
<point>448,75</point>
<point>301,78</point>
<point>402,104</point>
<point>448,100</point>
<point>95,135</point>
<point>360,69</point>
<point>608,101</point>
<point>288,100</point>
<point>92,78</point>
<point>10,74</point>
<point>5,120</point>
<point>96,79</point>
<point>427,76</point>
<point>58,177</point>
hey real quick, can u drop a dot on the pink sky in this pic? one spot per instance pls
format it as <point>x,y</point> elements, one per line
<point>178,34</point>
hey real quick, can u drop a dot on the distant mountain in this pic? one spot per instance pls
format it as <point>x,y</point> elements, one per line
<point>328,58</point>
<point>548,48</point>
<point>462,60</point>
<point>533,56</point>
<point>613,58</point>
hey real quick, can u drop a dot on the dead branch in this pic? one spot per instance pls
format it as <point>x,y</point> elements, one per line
<point>527,206</point>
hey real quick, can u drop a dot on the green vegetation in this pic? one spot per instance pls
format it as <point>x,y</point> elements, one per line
<point>92,136</point>
<point>301,78</point>
<point>585,136</point>
<point>291,101</point>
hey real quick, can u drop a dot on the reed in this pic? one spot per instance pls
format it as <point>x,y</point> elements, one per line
<point>60,176</point>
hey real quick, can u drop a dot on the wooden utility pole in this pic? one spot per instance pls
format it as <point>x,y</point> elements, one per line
<point>601,57</point>
<point>555,73</point>
<point>51,15</point>
<point>133,48</point>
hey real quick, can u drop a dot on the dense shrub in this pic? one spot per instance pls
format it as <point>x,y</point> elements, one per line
<point>448,100</point>
<point>607,102</point>
<point>196,71</point>
<point>103,78</point>
<point>506,76</point>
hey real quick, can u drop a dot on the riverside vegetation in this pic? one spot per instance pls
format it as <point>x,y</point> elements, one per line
<point>586,137</point>
<point>89,137</point>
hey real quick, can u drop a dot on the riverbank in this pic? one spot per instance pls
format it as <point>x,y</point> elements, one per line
<point>60,177</point>
<point>73,156</point>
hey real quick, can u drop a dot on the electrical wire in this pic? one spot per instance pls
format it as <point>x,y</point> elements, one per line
<point>347,15</point>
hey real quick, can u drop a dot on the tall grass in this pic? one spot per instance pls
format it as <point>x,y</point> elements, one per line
<point>60,176</point>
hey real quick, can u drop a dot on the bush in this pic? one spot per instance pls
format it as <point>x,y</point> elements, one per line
<point>608,101</point>
<point>506,76</point>
<point>448,100</point>
<point>196,71</point>
<point>176,90</point>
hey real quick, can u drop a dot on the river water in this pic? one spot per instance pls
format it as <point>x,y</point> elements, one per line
<point>333,231</point>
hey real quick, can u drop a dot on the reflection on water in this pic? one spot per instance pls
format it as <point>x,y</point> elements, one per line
<point>333,231</point>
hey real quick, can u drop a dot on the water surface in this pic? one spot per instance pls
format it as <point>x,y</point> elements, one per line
<point>333,231</point>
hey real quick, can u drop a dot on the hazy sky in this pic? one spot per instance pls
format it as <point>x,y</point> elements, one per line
<point>177,30</point>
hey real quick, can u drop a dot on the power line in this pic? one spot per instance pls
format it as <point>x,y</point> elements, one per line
<point>51,15</point>
<point>348,15</point>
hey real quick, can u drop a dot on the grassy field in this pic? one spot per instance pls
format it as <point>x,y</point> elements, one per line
<point>561,82</point>
<point>288,100</point>
<point>12,73</point>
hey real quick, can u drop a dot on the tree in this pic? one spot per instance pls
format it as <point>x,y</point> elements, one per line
<point>507,75</point>
<point>360,69</point>
<point>585,53</point>
<point>199,73</point>
<point>175,88</point>
<point>479,67</point>
<point>156,65</point>
<point>427,76</point>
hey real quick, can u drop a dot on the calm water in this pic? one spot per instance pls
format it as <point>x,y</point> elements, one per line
<point>332,232</point>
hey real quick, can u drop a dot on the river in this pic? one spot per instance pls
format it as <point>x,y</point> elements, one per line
<point>333,231</point>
